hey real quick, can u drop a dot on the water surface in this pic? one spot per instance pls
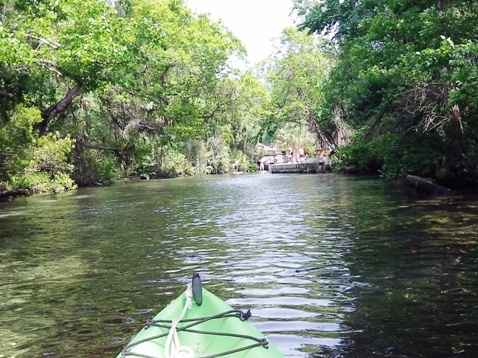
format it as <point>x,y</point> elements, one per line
<point>330,266</point>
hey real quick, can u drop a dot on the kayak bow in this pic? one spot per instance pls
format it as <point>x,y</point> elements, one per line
<point>198,324</point>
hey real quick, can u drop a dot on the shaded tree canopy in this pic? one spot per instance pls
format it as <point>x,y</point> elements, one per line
<point>406,72</point>
<point>131,83</point>
<point>145,89</point>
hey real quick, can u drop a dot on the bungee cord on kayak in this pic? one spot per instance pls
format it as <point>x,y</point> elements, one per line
<point>194,322</point>
<point>191,331</point>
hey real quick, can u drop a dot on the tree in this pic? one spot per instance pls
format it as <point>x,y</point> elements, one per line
<point>128,83</point>
<point>66,48</point>
<point>402,70</point>
<point>39,164</point>
<point>296,76</point>
<point>171,95</point>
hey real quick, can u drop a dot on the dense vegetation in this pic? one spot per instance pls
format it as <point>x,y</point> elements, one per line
<point>92,91</point>
<point>404,83</point>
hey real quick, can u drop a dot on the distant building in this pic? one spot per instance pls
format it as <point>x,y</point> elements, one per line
<point>269,155</point>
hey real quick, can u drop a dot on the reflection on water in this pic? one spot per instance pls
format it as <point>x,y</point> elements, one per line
<point>330,266</point>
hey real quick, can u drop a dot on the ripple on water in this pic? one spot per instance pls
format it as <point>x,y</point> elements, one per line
<point>281,290</point>
<point>280,301</point>
<point>320,264</point>
<point>255,279</point>
<point>292,345</point>
<point>297,326</point>
<point>281,313</point>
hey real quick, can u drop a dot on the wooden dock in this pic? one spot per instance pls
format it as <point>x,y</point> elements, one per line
<point>312,165</point>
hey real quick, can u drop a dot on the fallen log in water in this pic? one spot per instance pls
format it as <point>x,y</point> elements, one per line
<point>425,186</point>
<point>9,195</point>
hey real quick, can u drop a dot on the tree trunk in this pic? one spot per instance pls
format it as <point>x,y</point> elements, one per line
<point>9,195</point>
<point>58,108</point>
<point>424,186</point>
<point>458,125</point>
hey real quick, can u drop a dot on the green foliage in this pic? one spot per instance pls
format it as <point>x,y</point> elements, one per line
<point>48,169</point>
<point>175,164</point>
<point>107,169</point>
<point>359,157</point>
<point>50,154</point>
<point>297,77</point>
<point>223,164</point>
<point>415,153</point>
<point>392,155</point>
<point>241,162</point>
<point>36,182</point>
<point>93,167</point>
<point>42,182</point>
<point>293,135</point>
<point>123,83</point>
<point>16,138</point>
<point>36,163</point>
<point>218,160</point>
<point>405,68</point>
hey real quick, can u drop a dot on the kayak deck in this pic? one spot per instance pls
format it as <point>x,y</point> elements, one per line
<point>211,329</point>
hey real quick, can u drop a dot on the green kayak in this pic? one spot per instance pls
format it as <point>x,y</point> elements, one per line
<point>198,324</point>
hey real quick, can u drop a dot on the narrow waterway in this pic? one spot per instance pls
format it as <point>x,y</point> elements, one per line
<point>330,266</point>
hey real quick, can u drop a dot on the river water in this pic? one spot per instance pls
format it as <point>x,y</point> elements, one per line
<point>330,266</point>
